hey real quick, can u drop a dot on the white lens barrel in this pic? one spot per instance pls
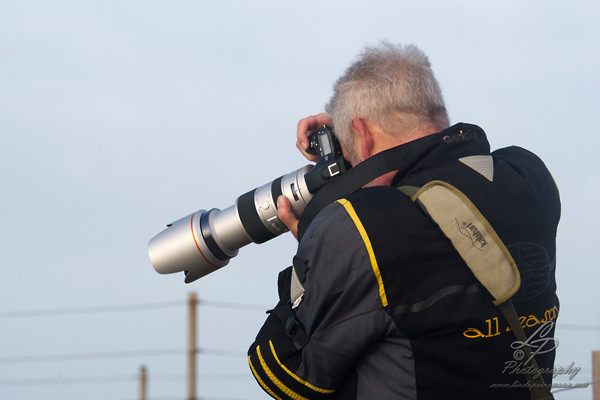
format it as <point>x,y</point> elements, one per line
<point>181,247</point>
<point>293,186</point>
<point>205,241</point>
<point>228,231</point>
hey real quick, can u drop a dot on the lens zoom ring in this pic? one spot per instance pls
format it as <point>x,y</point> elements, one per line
<point>255,228</point>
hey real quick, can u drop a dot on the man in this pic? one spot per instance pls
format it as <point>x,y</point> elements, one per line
<point>379,303</point>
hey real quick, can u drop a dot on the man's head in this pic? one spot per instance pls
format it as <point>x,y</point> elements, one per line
<point>390,88</point>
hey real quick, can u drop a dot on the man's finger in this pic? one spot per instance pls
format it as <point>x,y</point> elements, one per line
<point>285,215</point>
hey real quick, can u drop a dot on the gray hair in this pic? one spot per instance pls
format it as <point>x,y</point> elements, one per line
<point>390,85</point>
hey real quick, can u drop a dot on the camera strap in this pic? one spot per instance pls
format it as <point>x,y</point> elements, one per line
<point>355,178</point>
<point>401,157</point>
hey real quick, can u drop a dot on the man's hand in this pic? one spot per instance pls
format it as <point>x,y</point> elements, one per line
<point>285,215</point>
<point>306,126</point>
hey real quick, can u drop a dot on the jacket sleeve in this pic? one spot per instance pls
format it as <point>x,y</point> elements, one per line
<point>309,351</point>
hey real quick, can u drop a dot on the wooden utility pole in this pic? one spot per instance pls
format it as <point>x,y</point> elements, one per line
<point>596,375</point>
<point>143,380</point>
<point>192,347</point>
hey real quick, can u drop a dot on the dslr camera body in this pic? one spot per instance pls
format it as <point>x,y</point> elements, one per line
<point>205,241</point>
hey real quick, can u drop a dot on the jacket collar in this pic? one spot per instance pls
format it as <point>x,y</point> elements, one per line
<point>460,140</point>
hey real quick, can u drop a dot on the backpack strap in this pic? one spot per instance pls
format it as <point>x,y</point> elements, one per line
<point>484,253</point>
<point>473,237</point>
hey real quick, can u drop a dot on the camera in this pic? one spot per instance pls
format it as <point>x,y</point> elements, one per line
<point>205,241</point>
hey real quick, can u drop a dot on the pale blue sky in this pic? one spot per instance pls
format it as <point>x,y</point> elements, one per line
<point>119,117</point>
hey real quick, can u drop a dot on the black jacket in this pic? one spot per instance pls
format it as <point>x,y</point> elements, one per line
<point>390,310</point>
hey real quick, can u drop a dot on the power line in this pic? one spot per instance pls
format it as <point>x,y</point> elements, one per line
<point>219,398</point>
<point>117,354</point>
<point>221,352</point>
<point>212,377</point>
<point>577,386</point>
<point>126,308</point>
<point>578,327</point>
<point>225,377</point>
<point>199,398</point>
<point>231,306</point>
<point>93,380</point>
<point>82,380</point>
<point>91,356</point>
<point>90,310</point>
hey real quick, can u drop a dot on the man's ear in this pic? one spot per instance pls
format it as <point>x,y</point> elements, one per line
<point>365,136</point>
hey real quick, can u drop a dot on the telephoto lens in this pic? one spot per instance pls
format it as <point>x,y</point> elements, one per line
<point>205,241</point>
